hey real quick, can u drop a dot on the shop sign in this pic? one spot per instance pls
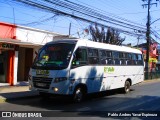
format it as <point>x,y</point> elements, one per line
<point>7,46</point>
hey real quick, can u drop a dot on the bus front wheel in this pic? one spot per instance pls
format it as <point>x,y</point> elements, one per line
<point>78,94</point>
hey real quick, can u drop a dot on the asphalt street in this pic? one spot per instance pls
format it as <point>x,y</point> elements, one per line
<point>142,97</point>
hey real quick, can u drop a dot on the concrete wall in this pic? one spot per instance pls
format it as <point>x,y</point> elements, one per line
<point>34,36</point>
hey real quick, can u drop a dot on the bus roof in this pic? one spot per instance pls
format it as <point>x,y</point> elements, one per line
<point>88,43</point>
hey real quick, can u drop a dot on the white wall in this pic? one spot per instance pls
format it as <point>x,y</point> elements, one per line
<point>15,68</point>
<point>34,35</point>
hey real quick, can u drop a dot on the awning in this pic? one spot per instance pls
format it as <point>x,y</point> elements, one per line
<point>19,42</point>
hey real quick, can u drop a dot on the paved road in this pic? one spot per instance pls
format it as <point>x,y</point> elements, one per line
<point>143,97</point>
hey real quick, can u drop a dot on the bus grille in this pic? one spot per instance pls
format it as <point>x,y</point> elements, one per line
<point>42,82</point>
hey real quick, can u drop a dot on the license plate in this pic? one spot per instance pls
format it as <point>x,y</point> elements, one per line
<point>42,72</point>
<point>41,84</point>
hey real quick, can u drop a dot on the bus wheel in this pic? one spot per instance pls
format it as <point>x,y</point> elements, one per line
<point>126,88</point>
<point>78,94</point>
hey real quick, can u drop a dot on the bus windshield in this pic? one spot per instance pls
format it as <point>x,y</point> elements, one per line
<point>54,56</point>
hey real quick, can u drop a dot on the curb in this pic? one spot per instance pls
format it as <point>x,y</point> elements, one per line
<point>151,80</point>
<point>2,100</point>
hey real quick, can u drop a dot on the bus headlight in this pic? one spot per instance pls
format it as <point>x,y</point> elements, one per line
<point>55,89</point>
<point>59,79</point>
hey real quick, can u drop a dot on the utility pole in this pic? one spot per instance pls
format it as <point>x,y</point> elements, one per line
<point>69,29</point>
<point>148,39</point>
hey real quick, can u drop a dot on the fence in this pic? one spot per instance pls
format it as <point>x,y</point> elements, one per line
<point>152,75</point>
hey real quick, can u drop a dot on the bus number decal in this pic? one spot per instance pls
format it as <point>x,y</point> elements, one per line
<point>108,69</point>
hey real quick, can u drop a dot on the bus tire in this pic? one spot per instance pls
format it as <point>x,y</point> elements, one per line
<point>79,94</point>
<point>127,86</point>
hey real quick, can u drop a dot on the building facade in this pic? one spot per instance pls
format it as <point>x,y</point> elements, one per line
<point>18,45</point>
<point>153,54</point>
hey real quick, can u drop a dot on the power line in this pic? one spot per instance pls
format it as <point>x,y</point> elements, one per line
<point>91,15</point>
<point>100,15</point>
<point>52,10</point>
<point>110,14</point>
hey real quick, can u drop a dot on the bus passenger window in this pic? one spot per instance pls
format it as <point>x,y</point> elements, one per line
<point>134,59</point>
<point>93,56</point>
<point>80,57</point>
<point>116,61</point>
<point>109,61</point>
<point>116,58</point>
<point>102,55</point>
<point>129,59</point>
<point>140,60</point>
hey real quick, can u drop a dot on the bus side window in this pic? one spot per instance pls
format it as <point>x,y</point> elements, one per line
<point>140,60</point>
<point>102,55</point>
<point>124,58</point>
<point>116,59</point>
<point>109,57</point>
<point>129,59</point>
<point>105,57</point>
<point>93,56</point>
<point>80,57</point>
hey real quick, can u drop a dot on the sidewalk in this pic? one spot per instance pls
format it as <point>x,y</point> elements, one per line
<point>22,91</point>
<point>15,92</point>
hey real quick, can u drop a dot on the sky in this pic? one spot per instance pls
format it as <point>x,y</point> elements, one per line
<point>131,10</point>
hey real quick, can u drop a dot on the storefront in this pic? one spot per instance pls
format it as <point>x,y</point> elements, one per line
<point>15,62</point>
<point>17,51</point>
<point>7,60</point>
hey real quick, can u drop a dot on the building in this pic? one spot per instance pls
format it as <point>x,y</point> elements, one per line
<point>153,54</point>
<point>17,51</point>
<point>158,58</point>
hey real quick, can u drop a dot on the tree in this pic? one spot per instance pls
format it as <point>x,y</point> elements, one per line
<point>112,36</point>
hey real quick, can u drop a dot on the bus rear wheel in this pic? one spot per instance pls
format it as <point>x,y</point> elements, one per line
<point>127,86</point>
<point>78,94</point>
